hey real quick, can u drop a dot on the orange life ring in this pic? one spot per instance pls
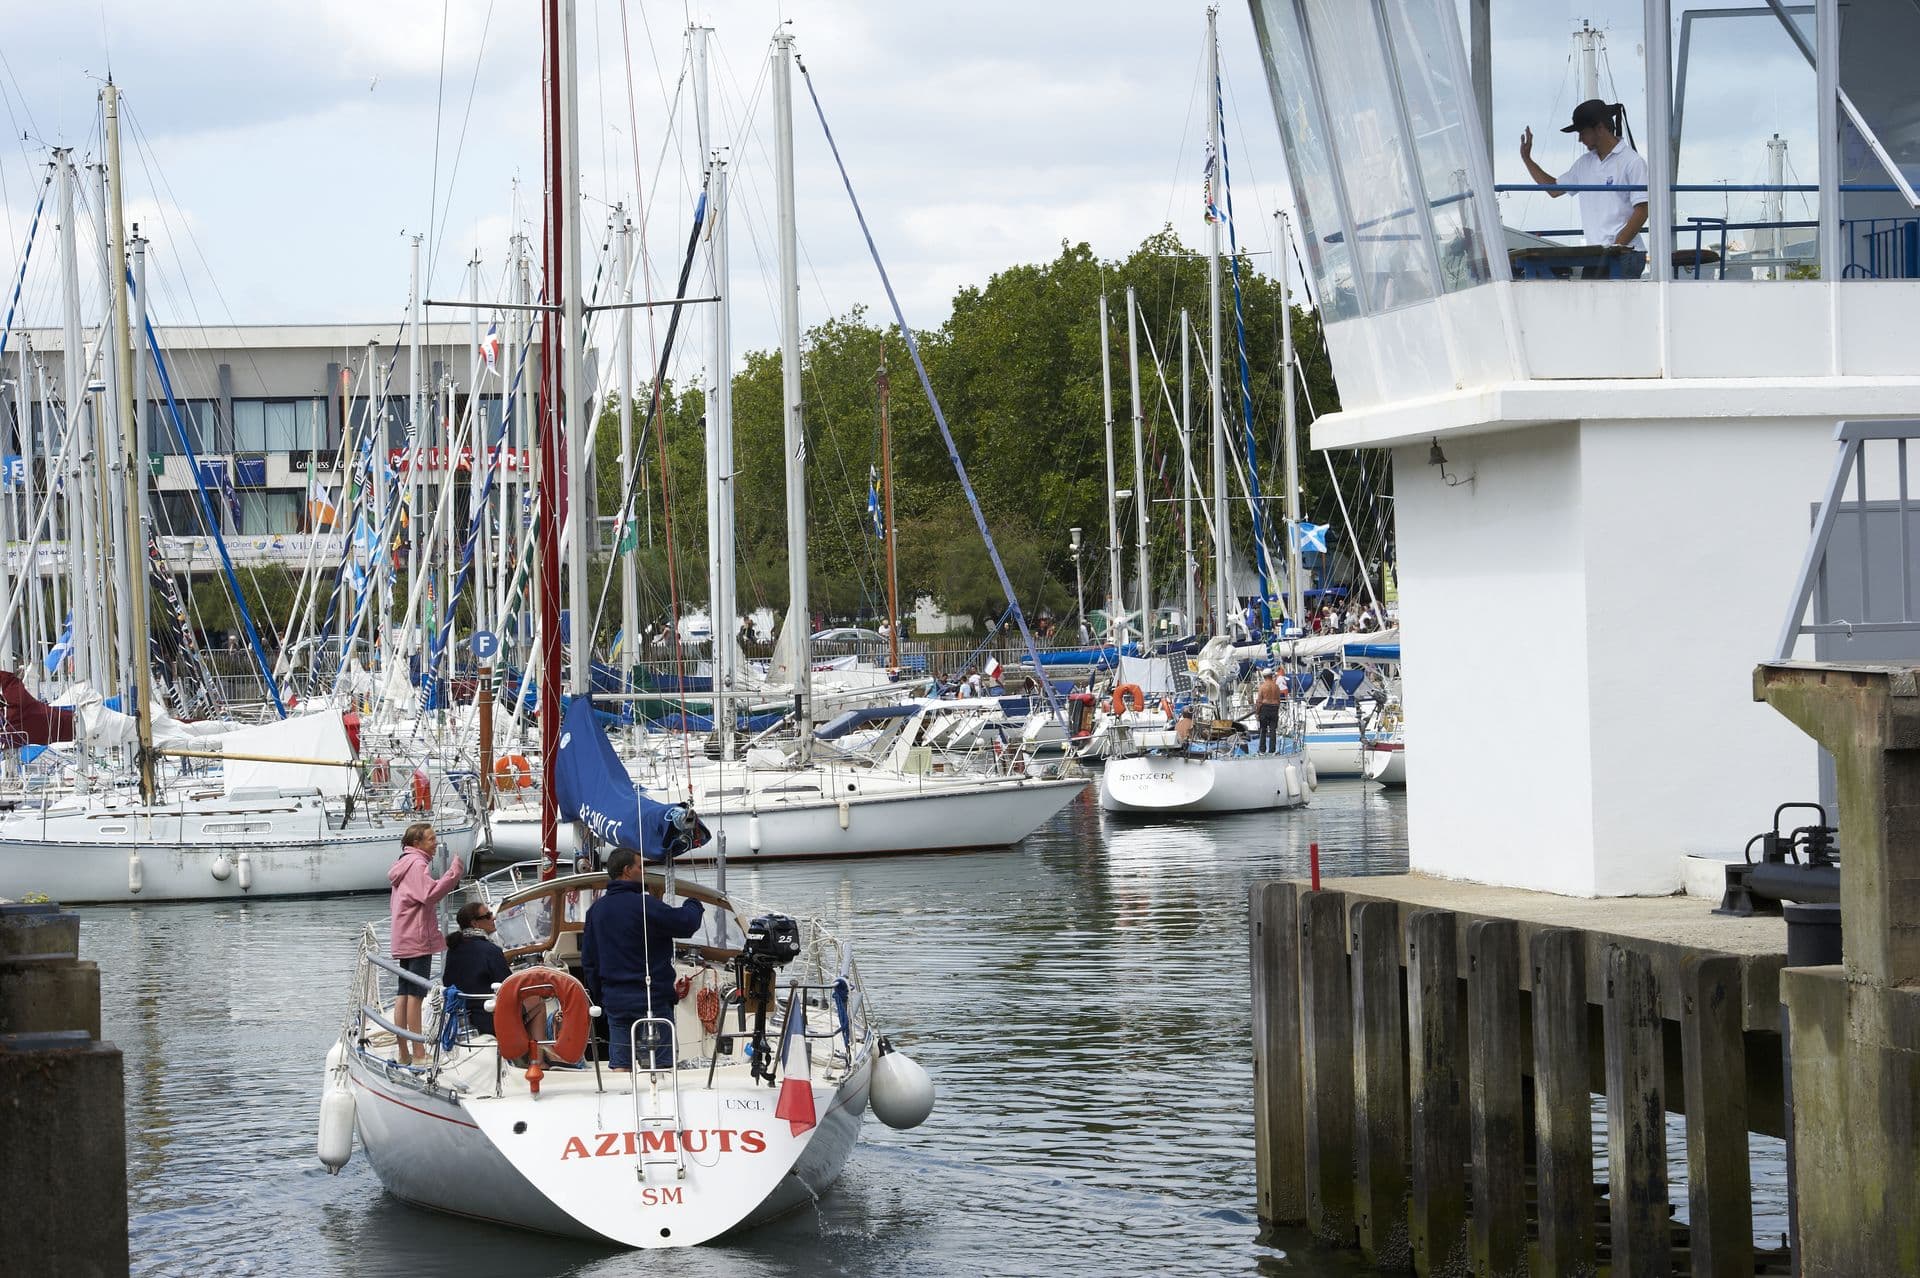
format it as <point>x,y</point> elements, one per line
<point>422,792</point>
<point>576,1019</point>
<point>513,772</point>
<point>1128,695</point>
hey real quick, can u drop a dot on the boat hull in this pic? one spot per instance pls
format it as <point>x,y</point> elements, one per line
<point>565,1162</point>
<point>1161,784</point>
<point>192,853</point>
<point>1387,765</point>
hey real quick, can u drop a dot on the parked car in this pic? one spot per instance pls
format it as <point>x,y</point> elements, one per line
<point>850,635</point>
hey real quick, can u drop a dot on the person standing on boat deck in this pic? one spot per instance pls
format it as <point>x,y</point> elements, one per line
<point>1266,705</point>
<point>415,928</point>
<point>626,955</point>
<point>475,963</point>
<point>1611,218</point>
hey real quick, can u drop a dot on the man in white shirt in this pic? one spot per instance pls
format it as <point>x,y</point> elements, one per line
<point>1612,218</point>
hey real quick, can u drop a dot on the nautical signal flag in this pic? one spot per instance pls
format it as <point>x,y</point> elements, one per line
<point>490,345</point>
<point>1309,537</point>
<point>796,1071</point>
<point>992,670</point>
<point>873,502</point>
<point>320,508</point>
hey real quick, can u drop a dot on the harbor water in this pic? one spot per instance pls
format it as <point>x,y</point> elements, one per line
<point>1081,1000</point>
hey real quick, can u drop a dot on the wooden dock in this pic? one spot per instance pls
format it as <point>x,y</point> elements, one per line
<point>1427,1053</point>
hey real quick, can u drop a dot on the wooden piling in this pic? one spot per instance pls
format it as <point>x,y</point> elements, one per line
<point>1495,1124</point>
<point>1636,1117</point>
<point>1714,1068</point>
<point>1327,1015</point>
<point>1562,1112</point>
<point>1380,1087</point>
<point>1439,1216</point>
<point>1279,1126</point>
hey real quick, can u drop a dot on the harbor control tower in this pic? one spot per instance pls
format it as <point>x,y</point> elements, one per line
<point>1605,469</point>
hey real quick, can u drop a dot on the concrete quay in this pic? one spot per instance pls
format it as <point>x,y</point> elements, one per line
<point>62,1103</point>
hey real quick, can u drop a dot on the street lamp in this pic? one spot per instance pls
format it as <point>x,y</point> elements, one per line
<point>1079,604</point>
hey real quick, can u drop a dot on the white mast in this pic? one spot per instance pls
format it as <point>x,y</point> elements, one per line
<point>799,620</point>
<point>629,569</point>
<point>1296,584</point>
<point>1115,600</point>
<point>1222,529</point>
<point>134,588</point>
<point>1588,42</point>
<point>73,366</point>
<point>1141,495</point>
<point>416,430</point>
<point>579,413</point>
<point>478,441</point>
<point>720,432</point>
<point>1775,202</point>
<point>1186,469</point>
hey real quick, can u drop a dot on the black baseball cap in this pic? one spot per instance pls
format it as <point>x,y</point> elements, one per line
<point>1592,111</point>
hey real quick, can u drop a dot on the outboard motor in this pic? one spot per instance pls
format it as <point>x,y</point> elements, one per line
<point>773,941</point>
<point>1797,875</point>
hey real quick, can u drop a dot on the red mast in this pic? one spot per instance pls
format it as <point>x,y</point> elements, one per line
<point>550,442</point>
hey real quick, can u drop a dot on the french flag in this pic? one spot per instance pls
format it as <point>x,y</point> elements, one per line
<point>796,1085</point>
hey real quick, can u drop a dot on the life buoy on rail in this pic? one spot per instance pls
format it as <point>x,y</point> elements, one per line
<point>576,1019</point>
<point>1128,697</point>
<point>513,772</point>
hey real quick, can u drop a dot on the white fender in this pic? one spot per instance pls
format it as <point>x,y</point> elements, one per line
<point>334,1142</point>
<point>753,833</point>
<point>901,1092</point>
<point>136,873</point>
<point>246,872</point>
<point>846,814</point>
<point>1293,782</point>
<point>222,867</point>
<point>1313,775</point>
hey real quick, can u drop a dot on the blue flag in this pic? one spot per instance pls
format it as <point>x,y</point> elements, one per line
<point>64,649</point>
<point>593,788</point>
<point>873,503</point>
<point>1310,536</point>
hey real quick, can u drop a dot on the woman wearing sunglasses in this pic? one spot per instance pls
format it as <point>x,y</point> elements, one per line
<point>474,962</point>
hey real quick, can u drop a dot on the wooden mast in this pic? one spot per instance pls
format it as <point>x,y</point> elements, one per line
<point>886,500</point>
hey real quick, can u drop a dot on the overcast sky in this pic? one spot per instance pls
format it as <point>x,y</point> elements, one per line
<point>281,154</point>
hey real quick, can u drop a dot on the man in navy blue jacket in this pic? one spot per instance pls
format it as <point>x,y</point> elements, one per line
<point>626,956</point>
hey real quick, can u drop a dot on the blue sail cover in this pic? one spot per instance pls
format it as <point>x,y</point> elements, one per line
<point>591,787</point>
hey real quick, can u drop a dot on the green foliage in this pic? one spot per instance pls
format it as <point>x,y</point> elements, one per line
<point>1018,372</point>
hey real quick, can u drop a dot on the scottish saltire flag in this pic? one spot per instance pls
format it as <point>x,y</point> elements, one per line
<point>873,502</point>
<point>1308,536</point>
<point>64,649</point>
<point>490,345</point>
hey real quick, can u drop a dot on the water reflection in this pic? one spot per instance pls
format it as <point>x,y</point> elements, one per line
<point>1081,1001</point>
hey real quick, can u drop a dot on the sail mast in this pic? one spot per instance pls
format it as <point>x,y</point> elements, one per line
<point>135,585</point>
<point>1115,600</point>
<point>1141,497</point>
<point>1295,583</point>
<point>1186,468</point>
<point>1222,530</point>
<point>794,439</point>
<point>886,514</point>
<point>548,441</point>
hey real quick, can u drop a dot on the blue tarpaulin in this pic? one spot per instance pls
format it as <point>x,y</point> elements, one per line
<point>591,787</point>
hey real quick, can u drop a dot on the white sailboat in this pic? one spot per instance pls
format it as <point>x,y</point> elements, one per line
<point>288,815</point>
<point>1210,769</point>
<point>771,1057</point>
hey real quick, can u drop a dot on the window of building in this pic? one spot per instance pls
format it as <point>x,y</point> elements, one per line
<point>278,425</point>
<point>197,417</point>
<point>175,513</point>
<point>271,510</point>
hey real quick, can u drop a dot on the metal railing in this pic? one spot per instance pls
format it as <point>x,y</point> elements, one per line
<point>1812,586</point>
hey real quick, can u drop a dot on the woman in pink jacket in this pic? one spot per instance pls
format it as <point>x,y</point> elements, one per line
<point>416,925</point>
